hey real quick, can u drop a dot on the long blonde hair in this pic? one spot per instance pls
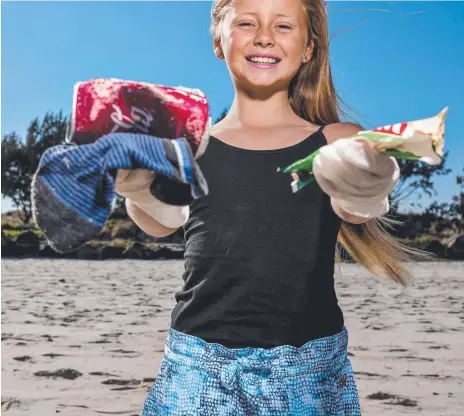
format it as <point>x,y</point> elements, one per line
<point>313,97</point>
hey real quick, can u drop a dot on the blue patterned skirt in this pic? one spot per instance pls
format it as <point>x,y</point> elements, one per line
<point>197,378</point>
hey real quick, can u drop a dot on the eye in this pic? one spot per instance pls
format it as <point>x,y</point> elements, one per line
<point>285,27</point>
<point>245,24</point>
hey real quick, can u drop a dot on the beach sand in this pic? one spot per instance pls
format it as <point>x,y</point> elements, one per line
<point>86,338</point>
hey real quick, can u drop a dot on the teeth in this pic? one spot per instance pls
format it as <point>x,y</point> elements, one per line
<point>264,60</point>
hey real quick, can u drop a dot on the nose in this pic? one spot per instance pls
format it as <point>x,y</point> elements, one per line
<point>264,38</point>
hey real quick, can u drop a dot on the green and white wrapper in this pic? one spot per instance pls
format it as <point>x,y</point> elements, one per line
<point>421,140</point>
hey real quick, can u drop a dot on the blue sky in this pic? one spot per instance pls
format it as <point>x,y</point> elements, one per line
<point>396,67</point>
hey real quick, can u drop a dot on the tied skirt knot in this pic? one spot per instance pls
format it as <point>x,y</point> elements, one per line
<point>197,378</point>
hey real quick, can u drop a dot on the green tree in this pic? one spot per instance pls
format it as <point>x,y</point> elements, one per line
<point>458,200</point>
<point>416,179</point>
<point>20,158</point>
<point>454,209</point>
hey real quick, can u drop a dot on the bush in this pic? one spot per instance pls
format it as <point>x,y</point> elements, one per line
<point>120,229</point>
<point>118,242</point>
<point>12,233</point>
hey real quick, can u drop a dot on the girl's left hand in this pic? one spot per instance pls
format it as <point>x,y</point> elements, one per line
<point>356,177</point>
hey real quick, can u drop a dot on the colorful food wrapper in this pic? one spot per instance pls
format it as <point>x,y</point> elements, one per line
<point>421,140</point>
<point>102,106</point>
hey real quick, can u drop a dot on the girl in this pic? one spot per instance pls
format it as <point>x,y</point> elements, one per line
<point>257,329</point>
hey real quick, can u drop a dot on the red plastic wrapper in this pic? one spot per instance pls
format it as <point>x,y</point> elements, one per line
<point>102,106</point>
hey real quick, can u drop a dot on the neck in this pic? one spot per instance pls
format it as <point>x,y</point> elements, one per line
<point>253,112</point>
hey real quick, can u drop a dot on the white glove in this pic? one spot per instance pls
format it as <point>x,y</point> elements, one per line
<point>356,177</point>
<point>135,185</point>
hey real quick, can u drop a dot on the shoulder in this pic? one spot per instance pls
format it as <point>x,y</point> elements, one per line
<point>336,131</point>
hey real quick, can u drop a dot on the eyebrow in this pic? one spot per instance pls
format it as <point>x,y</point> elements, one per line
<point>277,15</point>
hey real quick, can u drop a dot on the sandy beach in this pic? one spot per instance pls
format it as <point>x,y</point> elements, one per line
<point>86,338</point>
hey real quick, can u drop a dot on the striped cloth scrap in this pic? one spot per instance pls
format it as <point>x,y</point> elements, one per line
<point>73,188</point>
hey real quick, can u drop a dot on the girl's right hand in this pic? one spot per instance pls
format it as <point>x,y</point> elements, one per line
<point>129,182</point>
<point>135,185</point>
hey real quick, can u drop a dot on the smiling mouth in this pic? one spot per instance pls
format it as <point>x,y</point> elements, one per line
<point>264,61</point>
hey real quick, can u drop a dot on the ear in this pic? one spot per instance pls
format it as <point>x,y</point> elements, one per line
<point>309,51</point>
<point>218,49</point>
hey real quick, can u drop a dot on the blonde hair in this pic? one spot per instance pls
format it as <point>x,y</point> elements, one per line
<point>313,97</point>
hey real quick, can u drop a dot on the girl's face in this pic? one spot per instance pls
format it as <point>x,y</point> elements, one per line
<point>264,42</point>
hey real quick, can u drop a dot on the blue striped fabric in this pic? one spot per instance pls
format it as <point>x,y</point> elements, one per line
<point>81,178</point>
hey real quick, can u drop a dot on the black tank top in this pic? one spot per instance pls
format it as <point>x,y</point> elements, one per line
<point>259,260</point>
